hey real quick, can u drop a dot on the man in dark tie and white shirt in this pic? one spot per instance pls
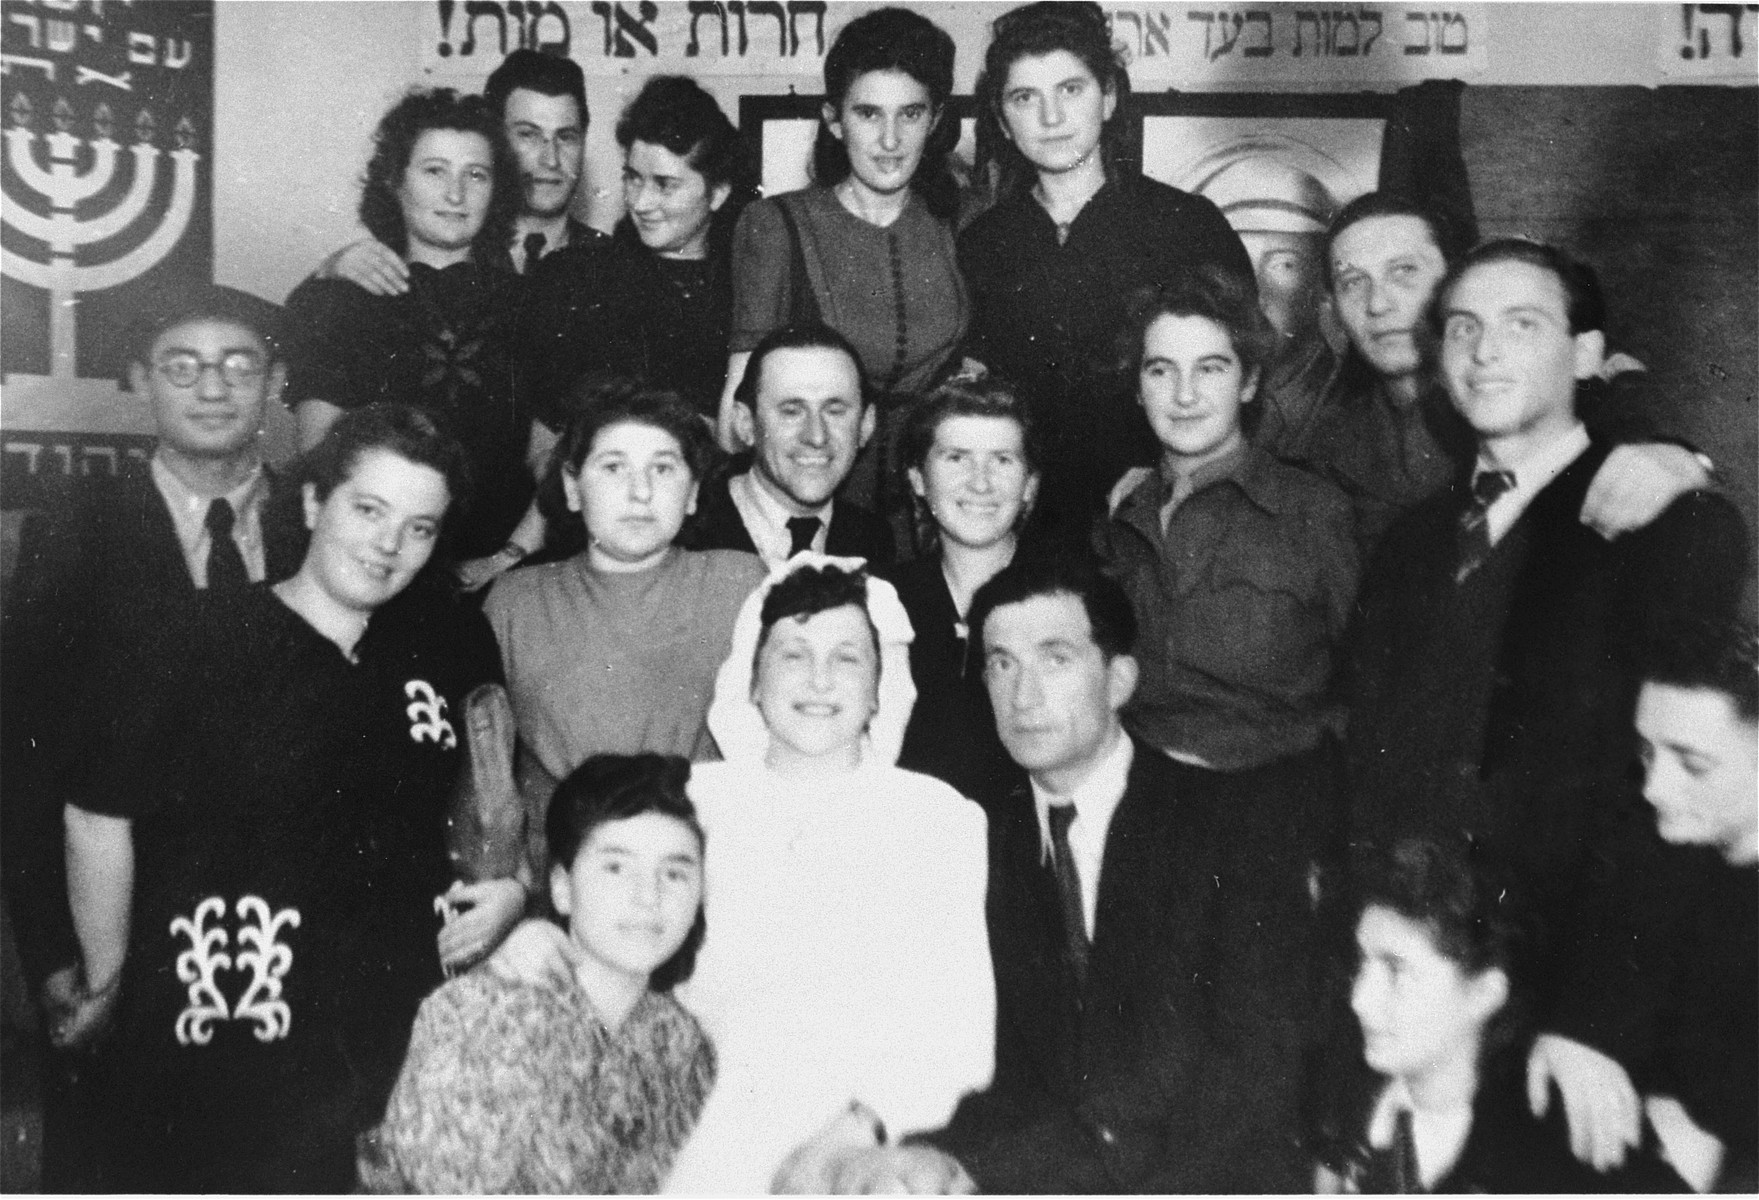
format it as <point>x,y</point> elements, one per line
<point>1491,672</point>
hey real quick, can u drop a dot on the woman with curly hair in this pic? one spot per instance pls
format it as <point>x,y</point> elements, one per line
<point>442,190</point>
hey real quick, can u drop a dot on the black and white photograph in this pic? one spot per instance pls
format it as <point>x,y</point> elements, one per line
<point>740,597</point>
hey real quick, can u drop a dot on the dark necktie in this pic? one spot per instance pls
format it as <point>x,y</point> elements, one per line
<point>1487,486</point>
<point>1394,1171</point>
<point>801,531</point>
<point>534,250</point>
<point>226,569</point>
<point>1069,890</point>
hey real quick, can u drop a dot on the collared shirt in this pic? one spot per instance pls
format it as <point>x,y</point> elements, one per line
<point>1241,599</point>
<point>766,518</point>
<point>1439,1137</point>
<point>1533,474</point>
<point>1095,799</point>
<point>189,513</point>
<point>1181,485</point>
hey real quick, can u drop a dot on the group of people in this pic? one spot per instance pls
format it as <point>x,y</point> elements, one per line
<point>875,689</point>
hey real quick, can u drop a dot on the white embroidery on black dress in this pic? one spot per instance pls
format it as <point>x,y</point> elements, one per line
<point>196,967</point>
<point>427,715</point>
<point>268,960</point>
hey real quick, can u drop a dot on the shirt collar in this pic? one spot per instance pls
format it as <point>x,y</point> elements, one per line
<point>186,505</point>
<point>1095,798</point>
<point>1439,1137</point>
<point>1533,473</point>
<point>1250,470</point>
<point>756,502</point>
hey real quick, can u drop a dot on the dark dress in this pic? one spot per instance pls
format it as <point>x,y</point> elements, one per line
<point>288,815</point>
<point>1044,316</point>
<point>952,731</point>
<point>617,308</point>
<point>447,346</point>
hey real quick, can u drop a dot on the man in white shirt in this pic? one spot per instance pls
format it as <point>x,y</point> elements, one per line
<point>803,409</point>
<point>1151,973</point>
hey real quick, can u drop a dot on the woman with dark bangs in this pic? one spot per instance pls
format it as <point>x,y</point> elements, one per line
<point>1436,1100</point>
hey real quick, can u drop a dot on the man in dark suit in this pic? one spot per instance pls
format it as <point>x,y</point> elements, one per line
<point>803,410</point>
<point>1491,673</point>
<point>1151,959</point>
<point>115,568</point>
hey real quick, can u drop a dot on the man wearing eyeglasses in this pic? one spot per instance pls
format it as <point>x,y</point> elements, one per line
<point>110,572</point>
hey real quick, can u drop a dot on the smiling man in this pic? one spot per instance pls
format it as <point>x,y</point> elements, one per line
<point>1377,421</point>
<point>802,408</point>
<point>1492,673</point>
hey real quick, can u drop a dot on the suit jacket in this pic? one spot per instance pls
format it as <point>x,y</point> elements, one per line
<point>1174,1069</point>
<point>855,532</point>
<point>101,586</point>
<point>1562,653</point>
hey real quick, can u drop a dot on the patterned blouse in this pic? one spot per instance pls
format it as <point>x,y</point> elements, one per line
<point>518,1088</point>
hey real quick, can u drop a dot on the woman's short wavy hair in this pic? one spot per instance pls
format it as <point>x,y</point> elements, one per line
<point>422,109</point>
<point>1224,297</point>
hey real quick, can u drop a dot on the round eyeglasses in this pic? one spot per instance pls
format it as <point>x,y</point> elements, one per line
<point>238,368</point>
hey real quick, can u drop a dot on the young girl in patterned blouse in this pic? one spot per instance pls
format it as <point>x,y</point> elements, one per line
<point>588,1083</point>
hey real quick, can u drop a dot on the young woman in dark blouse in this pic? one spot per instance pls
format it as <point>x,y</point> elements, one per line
<point>656,303</point>
<point>1076,229</point>
<point>441,189</point>
<point>254,873</point>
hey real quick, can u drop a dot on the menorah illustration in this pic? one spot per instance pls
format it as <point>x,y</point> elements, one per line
<point>62,232</point>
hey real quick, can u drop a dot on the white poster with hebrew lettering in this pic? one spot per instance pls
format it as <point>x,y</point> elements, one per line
<point>616,37</point>
<point>1255,44</point>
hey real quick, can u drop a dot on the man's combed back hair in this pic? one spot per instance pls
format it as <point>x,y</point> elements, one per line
<point>1028,577</point>
<point>1710,655</point>
<point>616,787</point>
<point>535,71</point>
<point>794,337</point>
<point>1584,304</point>
<point>1448,233</point>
